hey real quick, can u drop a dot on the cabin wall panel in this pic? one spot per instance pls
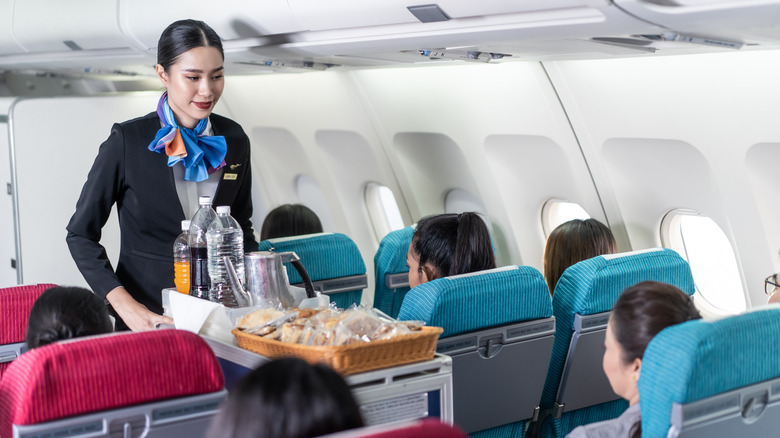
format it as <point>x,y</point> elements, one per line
<point>326,136</point>
<point>762,160</point>
<point>52,165</point>
<point>719,104</point>
<point>445,127</point>
<point>8,248</point>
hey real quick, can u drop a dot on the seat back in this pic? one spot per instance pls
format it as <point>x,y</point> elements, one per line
<point>161,383</point>
<point>390,271</point>
<point>15,305</point>
<point>499,330</point>
<point>722,382</point>
<point>332,260</point>
<point>576,390</point>
<point>425,428</point>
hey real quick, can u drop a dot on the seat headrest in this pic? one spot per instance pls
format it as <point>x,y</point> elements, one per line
<point>15,305</point>
<point>709,357</point>
<point>592,286</point>
<point>105,372</point>
<point>391,255</point>
<point>324,255</point>
<point>479,300</point>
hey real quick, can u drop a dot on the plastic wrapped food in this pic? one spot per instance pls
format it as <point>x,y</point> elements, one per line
<point>325,326</point>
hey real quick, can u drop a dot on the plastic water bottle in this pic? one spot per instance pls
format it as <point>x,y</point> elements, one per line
<point>225,238</point>
<point>181,259</point>
<point>200,282</point>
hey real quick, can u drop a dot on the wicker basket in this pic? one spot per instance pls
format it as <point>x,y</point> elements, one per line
<point>354,358</point>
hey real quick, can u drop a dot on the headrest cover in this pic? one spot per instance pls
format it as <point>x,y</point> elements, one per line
<point>594,285</point>
<point>490,298</point>
<point>391,256</point>
<point>15,305</point>
<point>105,372</point>
<point>324,255</point>
<point>710,357</point>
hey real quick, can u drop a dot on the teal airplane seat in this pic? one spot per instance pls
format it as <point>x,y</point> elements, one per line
<point>713,378</point>
<point>576,390</point>
<point>390,271</point>
<point>499,330</point>
<point>332,260</point>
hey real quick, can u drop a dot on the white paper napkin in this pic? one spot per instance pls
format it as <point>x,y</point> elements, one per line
<point>190,313</point>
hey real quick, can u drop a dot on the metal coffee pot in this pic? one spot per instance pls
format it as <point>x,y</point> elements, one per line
<point>266,278</point>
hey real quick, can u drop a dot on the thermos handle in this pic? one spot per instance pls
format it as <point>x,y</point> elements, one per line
<point>293,258</point>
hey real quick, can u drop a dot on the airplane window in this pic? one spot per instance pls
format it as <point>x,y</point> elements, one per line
<point>713,262</point>
<point>383,210</point>
<point>556,212</point>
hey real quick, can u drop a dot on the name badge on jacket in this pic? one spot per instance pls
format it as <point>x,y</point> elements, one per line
<point>229,176</point>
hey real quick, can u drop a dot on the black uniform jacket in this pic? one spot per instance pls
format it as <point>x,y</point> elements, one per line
<point>141,184</point>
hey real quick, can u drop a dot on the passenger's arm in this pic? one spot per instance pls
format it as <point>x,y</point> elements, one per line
<point>134,314</point>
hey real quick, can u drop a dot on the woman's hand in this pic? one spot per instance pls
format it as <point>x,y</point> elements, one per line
<point>137,317</point>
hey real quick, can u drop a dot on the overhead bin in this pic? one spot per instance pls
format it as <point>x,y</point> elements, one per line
<point>61,26</point>
<point>743,21</point>
<point>144,20</point>
<point>381,27</point>
<point>341,14</point>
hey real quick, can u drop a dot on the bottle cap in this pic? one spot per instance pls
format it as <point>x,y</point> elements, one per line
<point>204,200</point>
<point>223,209</point>
<point>185,225</point>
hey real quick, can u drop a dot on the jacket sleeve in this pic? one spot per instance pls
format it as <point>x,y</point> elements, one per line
<point>102,189</point>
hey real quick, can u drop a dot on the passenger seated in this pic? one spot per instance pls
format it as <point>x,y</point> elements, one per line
<point>287,398</point>
<point>772,288</point>
<point>572,242</point>
<point>640,313</point>
<point>65,313</point>
<point>290,220</point>
<point>448,244</point>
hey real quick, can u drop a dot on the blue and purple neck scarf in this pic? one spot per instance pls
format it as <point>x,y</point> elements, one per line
<point>201,155</point>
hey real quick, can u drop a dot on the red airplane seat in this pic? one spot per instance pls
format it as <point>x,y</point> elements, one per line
<point>423,428</point>
<point>158,380</point>
<point>15,305</point>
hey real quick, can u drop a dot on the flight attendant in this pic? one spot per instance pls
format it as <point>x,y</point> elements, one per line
<point>154,168</point>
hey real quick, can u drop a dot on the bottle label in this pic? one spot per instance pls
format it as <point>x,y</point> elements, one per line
<point>199,270</point>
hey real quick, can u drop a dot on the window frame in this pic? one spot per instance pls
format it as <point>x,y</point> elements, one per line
<point>671,234</point>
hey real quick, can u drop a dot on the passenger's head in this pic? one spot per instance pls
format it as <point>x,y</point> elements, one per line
<point>290,220</point>
<point>639,314</point>
<point>287,398</point>
<point>65,313</point>
<point>449,244</point>
<point>572,242</point>
<point>772,288</point>
<point>190,66</point>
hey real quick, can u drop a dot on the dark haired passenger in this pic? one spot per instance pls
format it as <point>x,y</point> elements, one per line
<point>287,398</point>
<point>64,313</point>
<point>290,220</point>
<point>572,242</point>
<point>449,244</point>
<point>639,314</point>
<point>191,152</point>
<point>772,288</point>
